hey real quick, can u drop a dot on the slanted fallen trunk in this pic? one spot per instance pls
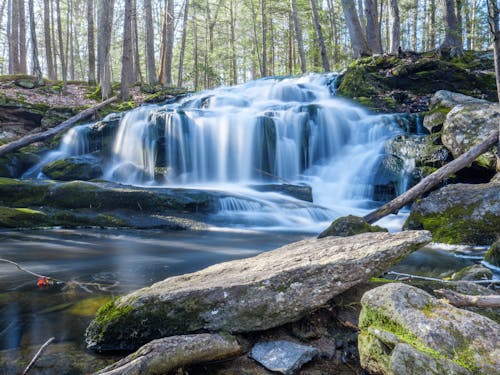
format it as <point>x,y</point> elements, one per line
<point>433,179</point>
<point>463,300</point>
<point>42,136</point>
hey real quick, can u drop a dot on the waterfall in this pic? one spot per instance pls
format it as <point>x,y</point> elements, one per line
<point>272,130</point>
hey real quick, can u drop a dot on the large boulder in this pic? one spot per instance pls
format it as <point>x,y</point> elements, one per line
<point>492,256</point>
<point>405,330</point>
<point>459,214</point>
<point>468,125</point>
<point>350,225</point>
<point>253,294</point>
<point>73,168</point>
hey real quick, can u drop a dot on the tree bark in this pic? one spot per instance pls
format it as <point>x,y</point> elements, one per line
<point>14,37</point>
<point>127,53</point>
<point>34,48</point>
<point>395,26</point>
<point>493,20</point>
<point>465,300</point>
<point>234,64</point>
<point>105,27</point>
<point>263,68</point>
<point>169,47</point>
<point>38,137</point>
<point>90,42</point>
<point>298,37</point>
<point>373,35</point>
<point>23,66</point>
<point>333,25</point>
<point>183,43</point>
<point>321,41</point>
<point>150,46</point>
<point>451,40</point>
<point>358,40</point>
<point>433,179</point>
<point>64,67</point>
<point>432,25</point>
<point>136,66</point>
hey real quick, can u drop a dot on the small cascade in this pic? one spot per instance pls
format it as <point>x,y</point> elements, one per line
<point>272,130</point>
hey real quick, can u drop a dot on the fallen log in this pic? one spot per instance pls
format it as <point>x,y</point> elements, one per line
<point>463,300</point>
<point>433,179</point>
<point>42,136</point>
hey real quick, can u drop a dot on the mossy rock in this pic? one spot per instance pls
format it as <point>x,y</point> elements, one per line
<point>492,256</point>
<point>21,218</point>
<point>349,226</point>
<point>73,168</point>
<point>471,273</point>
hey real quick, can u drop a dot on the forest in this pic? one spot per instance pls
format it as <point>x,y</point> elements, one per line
<point>200,44</point>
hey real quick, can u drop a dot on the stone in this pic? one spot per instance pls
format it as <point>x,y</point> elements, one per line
<point>492,256</point>
<point>467,126</point>
<point>471,273</point>
<point>167,354</point>
<point>283,356</point>
<point>349,226</point>
<point>254,294</point>
<point>459,214</point>
<point>404,330</point>
<point>72,168</point>
<point>301,192</point>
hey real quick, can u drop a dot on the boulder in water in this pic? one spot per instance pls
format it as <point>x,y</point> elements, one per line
<point>459,214</point>
<point>253,294</point>
<point>492,256</point>
<point>349,226</point>
<point>283,356</point>
<point>471,273</point>
<point>301,192</point>
<point>73,168</point>
<point>405,330</point>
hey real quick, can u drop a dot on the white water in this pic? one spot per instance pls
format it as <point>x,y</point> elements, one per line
<point>265,131</point>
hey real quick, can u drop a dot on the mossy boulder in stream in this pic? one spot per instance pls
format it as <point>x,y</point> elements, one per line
<point>492,256</point>
<point>349,226</point>
<point>253,294</point>
<point>405,330</point>
<point>73,168</point>
<point>459,214</point>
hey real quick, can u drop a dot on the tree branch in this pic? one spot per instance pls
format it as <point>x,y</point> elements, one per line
<point>38,355</point>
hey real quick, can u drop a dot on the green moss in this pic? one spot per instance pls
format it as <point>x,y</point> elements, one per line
<point>349,226</point>
<point>89,306</point>
<point>492,256</point>
<point>21,218</point>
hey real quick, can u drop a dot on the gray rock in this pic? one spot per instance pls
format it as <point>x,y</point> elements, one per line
<point>460,213</point>
<point>302,192</point>
<point>253,294</point>
<point>82,168</point>
<point>468,125</point>
<point>163,355</point>
<point>349,226</point>
<point>474,272</point>
<point>492,256</point>
<point>283,356</point>
<point>405,330</point>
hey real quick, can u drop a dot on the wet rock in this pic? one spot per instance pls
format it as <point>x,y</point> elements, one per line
<point>474,272</point>
<point>253,294</point>
<point>283,356</point>
<point>492,256</point>
<point>404,330</point>
<point>167,354</point>
<point>14,165</point>
<point>459,214</point>
<point>302,192</point>
<point>349,226</point>
<point>72,168</point>
<point>468,125</point>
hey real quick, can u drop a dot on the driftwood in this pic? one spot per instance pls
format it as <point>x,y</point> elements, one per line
<point>406,276</point>
<point>463,300</point>
<point>42,136</point>
<point>38,355</point>
<point>433,179</point>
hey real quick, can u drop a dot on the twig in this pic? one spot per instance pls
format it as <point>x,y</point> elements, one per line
<point>21,268</point>
<point>38,355</point>
<point>409,276</point>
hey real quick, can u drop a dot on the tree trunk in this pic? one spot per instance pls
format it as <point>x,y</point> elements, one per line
<point>169,47</point>
<point>105,26</point>
<point>150,44</point>
<point>298,37</point>
<point>23,66</point>
<point>415,26</point>
<point>333,25</point>
<point>321,41</point>
<point>432,25</point>
<point>358,40</point>
<point>90,42</point>
<point>460,22</point>
<point>127,53</point>
<point>255,36</point>
<point>34,48</point>
<point>64,67</point>
<point>263,68</point>
<point>493,20</point>
<point>53,36</point>
<point>395,26</point>
<point>50,133</point>
<point>451,40</point>
<point>183,43</point>
<point>373,37</point>
<point>14,38</point>
<point>234,64</point>
<point>433,179</point>
<point>465,300</point>
<point>136,66</point>
<point>468,25</point>
<point>70,47</point>
<point>195,51</point>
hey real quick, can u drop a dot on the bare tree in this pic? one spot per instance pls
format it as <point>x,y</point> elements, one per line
<point>91,42</point>
<point>150,46</point>
<point>452,38</point>
<point>103,59</point>
<point>183,42</point>
<point>169,43</point>
<point>395,26</point>
<point>321,41</point>
<point>298,36</point>
<point>34,45</point>
<point>136,62</point>
<point>127,58</point>
<point>62,54</point>
<point>263,67</point>
<point>493,20</point>
<point>23,66</point>
<point>358,40</point>
<point>14,37</point>
<point>373,34</point>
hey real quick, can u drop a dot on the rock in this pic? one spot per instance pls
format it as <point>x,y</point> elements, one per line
<point>349,226</point>
<point>253,294</point>
<point>404,330</point>
<point>496,178</point>
<point>492,256</point>
<point>302,192</point>
<point>15,164</point>
<point>474,272</point>
<point>459,214</point>
<point>167,354</point>
<point>72,168</point>
<point>21,218</point>
<point>26,83</point>
<point>283,356</point>
<point>468,125</point>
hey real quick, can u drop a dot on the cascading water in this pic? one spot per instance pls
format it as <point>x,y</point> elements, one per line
<point>266,131</point>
